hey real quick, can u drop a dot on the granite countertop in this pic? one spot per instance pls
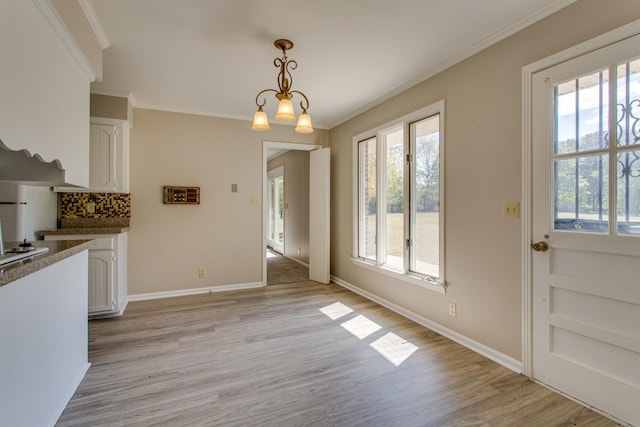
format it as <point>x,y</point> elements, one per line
<point>84,230</point>
<point>75,226</point>
<point>58,250</point>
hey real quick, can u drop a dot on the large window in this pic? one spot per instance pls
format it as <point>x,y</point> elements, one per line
<point>399,197</point>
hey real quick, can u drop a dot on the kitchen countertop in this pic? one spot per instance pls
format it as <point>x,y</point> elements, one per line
<point>83,230</point>
<point>58,250</point>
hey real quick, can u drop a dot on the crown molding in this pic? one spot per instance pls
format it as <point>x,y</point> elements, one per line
<point>56,23</point>
<point>531,19</point>
<point>94,22</point>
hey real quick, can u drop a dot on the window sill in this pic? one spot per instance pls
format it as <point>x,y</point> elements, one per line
<point>414,280</point>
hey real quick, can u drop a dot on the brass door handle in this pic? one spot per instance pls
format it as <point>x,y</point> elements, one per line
<point>540,246</point>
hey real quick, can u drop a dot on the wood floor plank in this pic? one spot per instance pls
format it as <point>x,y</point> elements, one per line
<point>271,357</point>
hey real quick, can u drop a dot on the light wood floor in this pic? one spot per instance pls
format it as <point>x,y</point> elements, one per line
<point>270,357</point>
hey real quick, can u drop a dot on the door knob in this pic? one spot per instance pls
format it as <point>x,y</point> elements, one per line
<point>540,246</point>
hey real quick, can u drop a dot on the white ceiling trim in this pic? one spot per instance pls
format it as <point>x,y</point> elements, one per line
<point>95,24</point>
<point>550,9</point>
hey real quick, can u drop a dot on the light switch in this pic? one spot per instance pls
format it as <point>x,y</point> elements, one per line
<point>511,210</point>
<point>234,188</point>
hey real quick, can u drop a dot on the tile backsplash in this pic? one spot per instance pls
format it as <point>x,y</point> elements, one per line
<point>105,205</point>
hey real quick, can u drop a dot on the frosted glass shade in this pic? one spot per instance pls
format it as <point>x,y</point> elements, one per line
<point>304,123</point>
<point>260,121</point>
<point>285,111</point>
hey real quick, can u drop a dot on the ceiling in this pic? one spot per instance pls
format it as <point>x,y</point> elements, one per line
<point>212,57</point>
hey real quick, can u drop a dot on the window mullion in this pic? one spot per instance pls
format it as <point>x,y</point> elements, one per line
<point>613,145</point>
<point>409,190</point>
<point>381,225</point>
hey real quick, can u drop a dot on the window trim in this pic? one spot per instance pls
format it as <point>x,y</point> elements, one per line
<point>439,285</point>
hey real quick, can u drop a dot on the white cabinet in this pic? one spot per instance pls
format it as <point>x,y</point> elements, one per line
<point>109,150</point>
<point>101,281</point>
<point>102,158</point>
<point>108,157</point>
<point>44,101</point>
<point>107,272</point>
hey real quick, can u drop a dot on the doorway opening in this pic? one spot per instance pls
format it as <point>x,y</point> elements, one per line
<point>286,212</point>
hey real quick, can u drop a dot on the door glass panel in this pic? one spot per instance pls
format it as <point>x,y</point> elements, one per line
<point>628,108</point>
<point>581,178</point>
<point>628,162</point>
<point>367,206</point>
<point>425,215</point>
<point>629,192</point>
<point>394,202</point>
<point>581,194</point>
<point>581,113</point>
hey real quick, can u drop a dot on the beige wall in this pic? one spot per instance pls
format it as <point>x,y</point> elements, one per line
<point>113,107</point>
<point>169,243</point>
<point>483,149</point>
<point>296,199</point>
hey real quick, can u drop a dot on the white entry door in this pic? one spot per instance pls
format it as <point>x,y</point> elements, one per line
<point>319,191</point>
<point>586,209</point>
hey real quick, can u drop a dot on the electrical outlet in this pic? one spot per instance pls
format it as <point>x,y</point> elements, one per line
<point>91,207</point>
<point>452,309</point>
<point>202,273</point>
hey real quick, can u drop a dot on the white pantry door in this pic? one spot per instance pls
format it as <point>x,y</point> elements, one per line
<point>586,208</point>
<point>319,192</point>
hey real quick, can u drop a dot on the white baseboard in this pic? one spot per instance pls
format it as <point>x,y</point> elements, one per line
<point>194,291</point>
<point>488,352</point>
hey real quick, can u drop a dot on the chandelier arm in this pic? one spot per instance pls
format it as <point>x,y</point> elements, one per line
<point>306,100</point>
<point>288,67</point>
<point>280,63</point>
<point>264,100</point>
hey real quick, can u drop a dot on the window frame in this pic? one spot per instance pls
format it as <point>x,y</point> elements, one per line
<point>435,284</point>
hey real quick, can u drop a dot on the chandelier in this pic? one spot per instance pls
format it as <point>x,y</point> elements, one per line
<point>283,94</point>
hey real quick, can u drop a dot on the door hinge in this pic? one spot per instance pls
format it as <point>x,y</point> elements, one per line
<point>408,243</point>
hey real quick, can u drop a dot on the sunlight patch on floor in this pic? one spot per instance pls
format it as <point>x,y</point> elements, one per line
<point>393,348</point>
<point>390,346</point>
<point>361,327</point>
<point>336,310</point>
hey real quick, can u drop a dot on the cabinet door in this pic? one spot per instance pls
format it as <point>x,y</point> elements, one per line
<point>101,281</point>
<point>102,170</point>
